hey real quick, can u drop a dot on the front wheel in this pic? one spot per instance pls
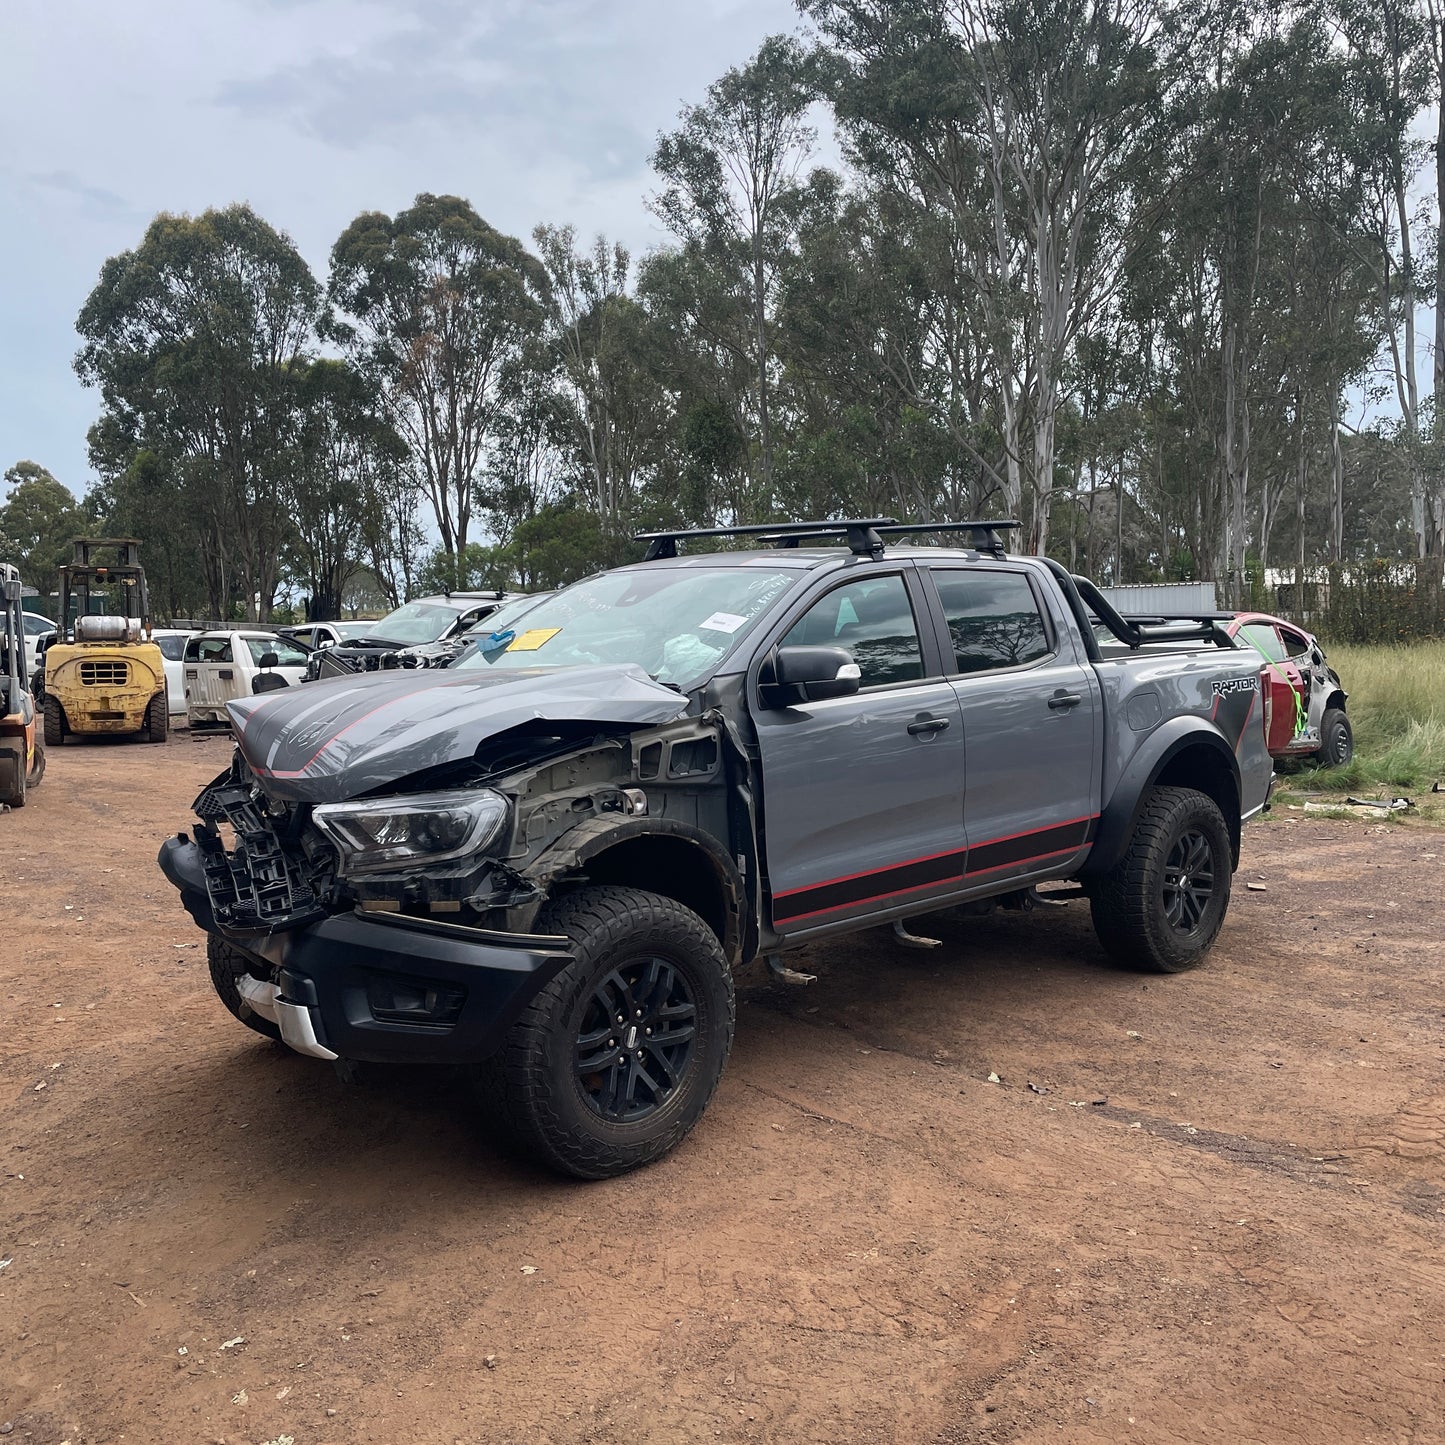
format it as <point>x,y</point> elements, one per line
<point>158,719</point>
<point>55,724</point>
<point>616,1058</point>
<point>1337,739</point>
<point>1161,906</point>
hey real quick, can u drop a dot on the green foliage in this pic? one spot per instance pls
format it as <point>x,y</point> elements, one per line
<point>38,518</point>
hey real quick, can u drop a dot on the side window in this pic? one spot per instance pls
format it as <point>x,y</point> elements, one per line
<point>873,621</point>
<point>38,626</point>
<point>993,619</point>
<point>215,649</point>
<point>1294,644</point>
<point>1263,639</point>
<point>172,648</point>
<point>287,653</point>
<point>193,649</point>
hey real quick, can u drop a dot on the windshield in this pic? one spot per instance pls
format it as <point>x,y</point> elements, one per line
<point>413,622</point>
<point>504,616</point>
<point>676,623</point>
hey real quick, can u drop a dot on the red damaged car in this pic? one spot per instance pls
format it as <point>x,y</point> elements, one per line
<point>1304,702</point>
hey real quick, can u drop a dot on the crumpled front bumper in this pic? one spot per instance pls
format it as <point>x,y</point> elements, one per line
<point>384,987</point>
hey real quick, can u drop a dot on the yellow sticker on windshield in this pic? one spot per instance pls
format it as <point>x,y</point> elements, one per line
<point>531,641</point>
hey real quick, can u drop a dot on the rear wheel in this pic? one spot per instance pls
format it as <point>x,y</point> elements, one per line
<point>228,966</point>
<point>12,773</point>
<point>1162,905</point>
<point>55,724</point>
<point>616,1058</point>
<point>158,719</point>
<point>1337,739</point>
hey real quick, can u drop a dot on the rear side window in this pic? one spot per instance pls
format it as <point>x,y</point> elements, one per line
<point>993,619</point>
<point>873,621</point>
<point>210,649</point>
<point>287,652</point>
<point>172,648</point>
<point>38,626</point>
<point>1263,639</point>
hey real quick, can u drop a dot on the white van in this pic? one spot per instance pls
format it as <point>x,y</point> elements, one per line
<point>224,665</point>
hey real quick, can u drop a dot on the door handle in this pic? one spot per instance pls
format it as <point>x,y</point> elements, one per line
<point>227,674</point>
<point>1061,700</point>
<point>922,727</point>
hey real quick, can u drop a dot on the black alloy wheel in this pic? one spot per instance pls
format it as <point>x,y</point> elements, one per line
<point>1188,881</point>
<point>637,1039</point>
<point>616,1057</point>
<point>1161,906</point>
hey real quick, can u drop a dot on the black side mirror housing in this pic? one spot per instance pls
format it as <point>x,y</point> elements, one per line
<point>793,675</point>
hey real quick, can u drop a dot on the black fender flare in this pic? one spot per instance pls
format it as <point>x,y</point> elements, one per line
<point>1164,746</point>
<point>591,839</point>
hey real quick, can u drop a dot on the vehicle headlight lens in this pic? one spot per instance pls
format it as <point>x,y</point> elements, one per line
<point>382,834</point>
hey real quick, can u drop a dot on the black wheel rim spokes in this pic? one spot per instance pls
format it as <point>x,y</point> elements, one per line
<point>636,1040</point>
<point>1188,881</point>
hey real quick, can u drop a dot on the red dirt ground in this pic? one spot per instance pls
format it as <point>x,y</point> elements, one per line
<point>1202,1208</point>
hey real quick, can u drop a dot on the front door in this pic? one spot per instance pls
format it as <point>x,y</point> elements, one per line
<point>1031,709</point>
<point>863,796</point>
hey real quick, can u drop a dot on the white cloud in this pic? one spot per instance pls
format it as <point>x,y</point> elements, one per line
<point>314,110</point>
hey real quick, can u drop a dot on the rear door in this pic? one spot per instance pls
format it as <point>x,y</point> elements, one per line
<point>1030,707</point>
<point>1284,702</point>
<point>863,795</point>
<point>210,672</point>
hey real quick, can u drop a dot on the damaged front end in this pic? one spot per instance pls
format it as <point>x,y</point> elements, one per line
<point>396,922</point>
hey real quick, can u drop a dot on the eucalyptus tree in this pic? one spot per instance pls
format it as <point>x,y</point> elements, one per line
<point>728,171</point>
<point>192,340</point>
<point>434,304</point>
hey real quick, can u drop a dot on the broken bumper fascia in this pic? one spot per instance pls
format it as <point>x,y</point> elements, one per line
<point>383,987</point>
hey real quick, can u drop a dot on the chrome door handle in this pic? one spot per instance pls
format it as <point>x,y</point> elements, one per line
<point>920,727</point>
<point>1061,700</point>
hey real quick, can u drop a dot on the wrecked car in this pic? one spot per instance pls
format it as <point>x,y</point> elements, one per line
<point>546,862</point>
<point>413,635</point>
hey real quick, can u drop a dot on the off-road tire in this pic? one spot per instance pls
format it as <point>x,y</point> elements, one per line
<point>37,766</point>
<point>158,719</point>
<point>534,1087</point>
<point>1129,903</point>
<point>1337,739</point>
<point>227,964</point>
<point>56,727</point>
<point>12,774</point>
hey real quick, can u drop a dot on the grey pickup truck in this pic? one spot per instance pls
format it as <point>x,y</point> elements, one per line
<point>545,863</point>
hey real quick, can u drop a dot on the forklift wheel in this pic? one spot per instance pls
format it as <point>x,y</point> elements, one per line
<point>12,776</point>
<point>157,724</point>
<point>55,725</point>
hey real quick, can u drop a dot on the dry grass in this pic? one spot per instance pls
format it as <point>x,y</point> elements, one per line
<point>1397,709</point>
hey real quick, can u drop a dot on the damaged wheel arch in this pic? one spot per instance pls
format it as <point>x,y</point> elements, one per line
<point>661,855</point>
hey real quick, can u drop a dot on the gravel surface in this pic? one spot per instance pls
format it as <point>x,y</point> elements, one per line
<point>1200,1208</point>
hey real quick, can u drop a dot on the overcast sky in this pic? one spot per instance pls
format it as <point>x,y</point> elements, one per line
<point>314,110</point>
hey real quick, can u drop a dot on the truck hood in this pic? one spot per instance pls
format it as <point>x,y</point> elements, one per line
<point>325,742</point>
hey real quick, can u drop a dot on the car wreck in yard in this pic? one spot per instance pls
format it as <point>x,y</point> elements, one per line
<point>546,862</point>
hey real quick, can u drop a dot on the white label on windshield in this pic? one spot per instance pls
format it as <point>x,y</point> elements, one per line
<point>728,622</point>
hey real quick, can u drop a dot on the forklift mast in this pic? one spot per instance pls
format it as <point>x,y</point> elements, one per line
<point>84,573</point>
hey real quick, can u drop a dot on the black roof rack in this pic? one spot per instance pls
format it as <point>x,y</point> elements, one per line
<point>861,532</point>
<point>983,535</point>
<point>864,534</point>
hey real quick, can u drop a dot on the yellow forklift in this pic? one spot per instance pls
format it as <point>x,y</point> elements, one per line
<point>103,673</point>
<point>22,750</point>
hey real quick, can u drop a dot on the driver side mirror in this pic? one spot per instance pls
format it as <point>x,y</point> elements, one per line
<point>807,674</point>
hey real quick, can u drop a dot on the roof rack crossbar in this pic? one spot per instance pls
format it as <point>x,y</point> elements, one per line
<point>860,531</point>
<point>982,533</point>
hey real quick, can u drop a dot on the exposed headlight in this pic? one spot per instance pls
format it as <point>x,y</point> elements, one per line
<point>378,834</point>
